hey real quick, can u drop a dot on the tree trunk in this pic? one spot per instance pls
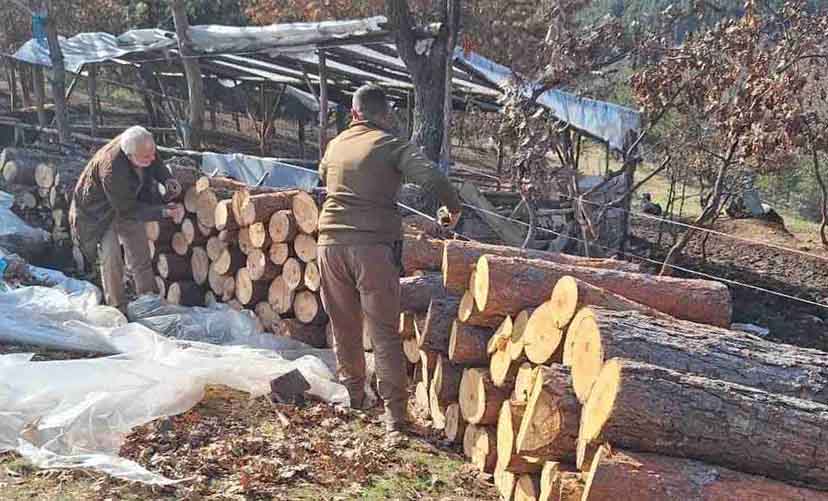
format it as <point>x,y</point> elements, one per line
<point>278,253</point>
<point>823,201</point>
<point>599,334</point>
<point>467,344</point>
<point>192,70</point>
<point>651,409</point>
<point>185,294</point>
<point>421,254</point>
<point>249,209</point>
<point>617,474</point>
<point>508,423</point>
<point>480,399</point>
<point>438,325</point>
<point>417,292</point>
<point>480,447</point>
<point>58,81</point>
<point>507,285</point>
<point>549,429</point>
<point>459,259</point>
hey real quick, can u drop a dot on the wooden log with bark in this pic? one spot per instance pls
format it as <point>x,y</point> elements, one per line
<point>421,254</point>
<point>469,314</point>
<point>160,231</point>
<point>651,409</point>
<point>224,218</point>
<point>305,247</point>
<point>278,253</point>
<point>438,325</point>
<point>549,429</point>
<point>417,292</point>
<point>192,234</point>
<point>312,279</point>
<point>280,296</point>
<point>258,235</point>
<point>467,344</point>
<point>530,283</point>
<point>598,334</point>
<point>307,307</point>
<point>200,264</point>
<point>185,293</point>
<point>260,267</point>
<point>480,399</point>
<point>458,258</point>
<point>230,260</point>
<point>455,424</point>
<point>248,208</point>
<point>312,334</point>
<point>282,226</point>
<point>479,445</point>
<point>293,272</point>
<point>508,423</point>
<point>174,268</point>
<point>248,291</point>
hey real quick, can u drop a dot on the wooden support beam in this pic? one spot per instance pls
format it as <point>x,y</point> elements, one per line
<point>92,86</point>
<point>39,88</point>
<point>323,104</point>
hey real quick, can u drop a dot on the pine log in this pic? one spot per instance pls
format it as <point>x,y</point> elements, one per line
<point>438,325</point>
<point>515,346</point>
<point>458,258</point>
<point>530,282</point>
<point>469,436</point>
<point>282,226</point>
<point>245,245</point>
<point>599,334</point>
<point>293,272</point>
<point>411,350</point>
<point>500,339</point>
<point>174,268</point>
<point>550,478</point>
<point>502,368</point>
<point>527,488</point>
<point>224,218</point>
<point>230,260</point>
<point>179,244</point>
<point>249,209</point>
<point>192,235</point>
<point>421,254</point>
<point>428,362</point>
<point>467,344</point>
<point>206,205</point>
<point>210,299</point>
<point>229,236</point>
<point>479,447</point>
<point>421,398</point>
<point>215,247</point>
<point>191,200</point>
<point>258,235</point>
<point>416,292</point>
<point>305,247</point>
<point>312,334</point>
<point>260,268</point>
<point>455,424</point>
<point>216,279</point>
<point>312,279</point>
<point>247,290</point>
<point>469,314</point>
<point>200,264</point>
<point>651,409</point>
<point>480,399</point>
<point>266,314</point>
<point>524,379</point>
<point>161,286</point>
<point>279,253</point>
<point>616,474</point>
<point>229,184</point>
<point>307,307</point>
<point>504,482</point>
<point>306,212</point>
<point>185,294</point>
<point>446,380</point>
<point>542,338</point>
<point>20,170</point>
<point>160,231</point>
<point>508,423</point>
<point>549,429</point>
<point>228,291</point>
<point>280,296</point>
<point>435,409</point>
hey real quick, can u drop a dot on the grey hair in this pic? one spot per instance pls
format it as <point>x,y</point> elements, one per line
<point>371,101</point>
<point>134,138</point>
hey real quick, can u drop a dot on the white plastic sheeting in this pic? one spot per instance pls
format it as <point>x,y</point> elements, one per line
<point>14,230</point>
<point>250,169</point>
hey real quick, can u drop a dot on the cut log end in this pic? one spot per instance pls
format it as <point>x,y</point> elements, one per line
<point>455,425</point>
<point>305,211</point>
<point>481,283</point>
<point>200,263</point>
<point>584,352</point>
<point>542,339</point>
<point>282,226</point>
<point>306,307</point>
<point>516,340</point>
<point>598,409</point>
<point>527,488</point>
<point>564,301</point>
<point>479,398</point>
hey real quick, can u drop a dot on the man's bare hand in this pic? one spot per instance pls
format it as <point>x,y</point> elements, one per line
<point>174,212</point>
<point>172,189</point>
<point>447,218</point>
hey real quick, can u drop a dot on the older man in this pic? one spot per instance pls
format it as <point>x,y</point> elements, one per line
<point>112,200</point>
<point>360,246</point>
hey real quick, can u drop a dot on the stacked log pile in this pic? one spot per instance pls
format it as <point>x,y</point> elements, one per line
<point>253,248</point>
<point>569,378</point>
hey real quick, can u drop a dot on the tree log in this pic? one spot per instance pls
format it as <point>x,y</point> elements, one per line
<point>279,253</point>
<point>191,200</point>
<point>480,399</point>
<point>435,409</point>
<point>599,334</point>
<point>245,245</point>
<point>508,422</point>
<point>421,397</point>
<point>200,264</point>
<point>504,482</point>
<point>206,204</point>
<point>516,343</point>
<point>481,446</point>
<point>459,258</point>
<point>406,328</point>
<point>417,292</point>
<point>411,350</point>
<point>438,325</point>
<point>258,235</point>
<point>280,296</point>
<point>247,290</point>
<point>542,338</point>
<point>651,409</point>
<point>224,218</point>
<point>527,488</point>
<point>524,379</point>
<point>185,294</point>
<point>179,244</point>
<point>455,425</point>
<point>421,254</point>
<point>467,344</point>
<point>312,279</point>
<point>306,212</point>
<point>469,314</point>
<point>307,307</point>
<point>228,291</point>
<point>230,260</point>
<point>304,246</point>
<point>210,299</point>
<point>312,334</point>
<point>616,475</point>
<point>158,248</point>
<point>160,231</point>
<point>215,247</point>
<point>530,282</point>
<point>549,429</point>
<point>174,268</point>
<point>282,226</point>
<point>293,272</point>
<point>428,362</point>
<point>260,268</point>
<point>502,368</point>
<point>249,209</point>
<point>192,235</point>
<point>500,339</point>
<point>216,279</point>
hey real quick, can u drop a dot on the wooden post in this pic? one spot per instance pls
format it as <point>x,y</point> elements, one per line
<point>39,87</point>
<point>58,80</point>
<point>323,104</point>
<point>409,104</point>
<point>301,137</point>
<point>12,77</point>
<point>25,82</point>
<point>92,83</point>
<point>192,69</point>
<point>445,150</point>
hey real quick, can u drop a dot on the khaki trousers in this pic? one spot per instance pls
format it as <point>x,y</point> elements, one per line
<point>361,291</point>
<point>133,236</point>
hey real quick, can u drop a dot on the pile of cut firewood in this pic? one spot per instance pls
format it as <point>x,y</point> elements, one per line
<point>575,378</point>
<point>253,248</point>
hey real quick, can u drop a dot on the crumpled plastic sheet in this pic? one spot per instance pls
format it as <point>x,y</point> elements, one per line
<point>14,230</point>
<point>77,413</point>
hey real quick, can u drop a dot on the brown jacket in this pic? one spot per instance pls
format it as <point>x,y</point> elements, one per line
<point>110,188</point>
<point>363,168</point>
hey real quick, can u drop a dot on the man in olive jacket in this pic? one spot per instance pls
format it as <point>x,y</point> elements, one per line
<point>112,201</point>
<point>360,242</point>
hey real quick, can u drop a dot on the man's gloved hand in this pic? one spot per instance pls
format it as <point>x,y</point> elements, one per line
<point>447,218</point>
<point>172,189</point>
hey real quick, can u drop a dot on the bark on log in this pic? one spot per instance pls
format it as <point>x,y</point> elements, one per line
<point>160,231</point>
<point>459,258</point>
<point>438,325</point>
<point>174,268</point>
<point>282,226</point>
<point>599,334</point>
<point>421,254</point>
<point>280,296</point>
<point>247,290</point>
<point>530,282</point>
<point>416,292</point>
<point>651,409</point>
<point>480,399</point>
<point>307,307</point>
<point>260,268</point>
<point>428,362</point>
<point>305,247</point>
<point>230,260</point>
<point>455,424</point>
<point>446,381</point>
<point>185,294</point>
<point>249,209</point>
<point>469,314</point>
<point>508,423</point>
<point>549,429</point>
<point>200,264</point>
<point>467,344</point>
<point>406,328</point>
<point>616,474</point>
<point>312,334</point>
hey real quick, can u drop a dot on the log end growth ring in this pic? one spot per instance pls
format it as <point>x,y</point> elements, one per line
<point>564,300</point>
<point>542,337</point>
<point>472,395</point>
<point>599,407</point>
<point>586,353</point>
<point>481,283</point>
